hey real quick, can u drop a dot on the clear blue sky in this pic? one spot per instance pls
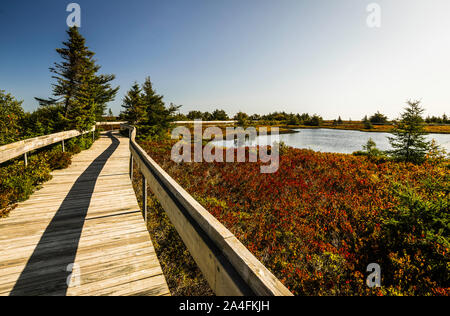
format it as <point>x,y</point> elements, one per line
<point>256,56</point>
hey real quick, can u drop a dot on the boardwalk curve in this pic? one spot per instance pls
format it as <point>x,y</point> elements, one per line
<point>83,233</point>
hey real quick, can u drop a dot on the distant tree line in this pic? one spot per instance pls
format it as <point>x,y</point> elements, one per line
<point>216,115</point>
<point>275,117</point>
<point>438,120</point>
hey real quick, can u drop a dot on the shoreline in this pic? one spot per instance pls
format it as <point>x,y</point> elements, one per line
<point>289,127</point>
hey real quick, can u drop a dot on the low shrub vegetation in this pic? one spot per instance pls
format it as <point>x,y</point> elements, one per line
<point>321,219</point>
<point>18,182</point>
<point>183,276</point>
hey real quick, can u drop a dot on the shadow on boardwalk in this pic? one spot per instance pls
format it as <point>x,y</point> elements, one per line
<point>49,267</point>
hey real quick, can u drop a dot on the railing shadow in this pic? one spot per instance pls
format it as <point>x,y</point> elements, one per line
<point>49,267</point>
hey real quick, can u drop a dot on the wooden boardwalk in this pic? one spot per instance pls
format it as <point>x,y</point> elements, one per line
<point>82,233</point>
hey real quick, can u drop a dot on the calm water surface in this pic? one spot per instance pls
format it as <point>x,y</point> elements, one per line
<point>333,140</point>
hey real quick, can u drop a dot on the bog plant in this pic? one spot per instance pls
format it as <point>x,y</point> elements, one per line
<point>18,182</point>
<point>408,140</point>
<point>321,219</point>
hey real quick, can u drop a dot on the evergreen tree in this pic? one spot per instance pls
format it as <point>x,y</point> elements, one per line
<point>158,117</point>
<point>220,115</point>
<point>378,118</point>
<point>11,115</point>
<point>409,142</point>
<point>134,108</point>
<point>82,93</point>
<point>104,93</point>
<point>44,121</point>
<point>195,115</point>
<point>371,149</point>
<point>241,118</point>
<point>82,113</point>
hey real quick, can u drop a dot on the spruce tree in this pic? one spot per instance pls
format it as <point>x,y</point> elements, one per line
<point>82,93</point>
<point>409,143</point>
<point>134,109</point>
<point>159,118</point>
<point>220,115</point>
<point>104,93</point>
<point>11,115</point>
<point>82,112</point>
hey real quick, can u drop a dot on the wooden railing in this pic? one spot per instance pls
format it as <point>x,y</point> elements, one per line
<point>23,147</point>
<point>206,122</point>
<point>227,265</point>
<point>109,123</point>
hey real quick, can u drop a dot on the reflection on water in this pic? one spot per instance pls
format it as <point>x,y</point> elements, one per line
<point>331,140</point>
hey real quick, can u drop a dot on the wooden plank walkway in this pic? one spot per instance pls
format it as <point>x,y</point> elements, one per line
<point>82,233</point>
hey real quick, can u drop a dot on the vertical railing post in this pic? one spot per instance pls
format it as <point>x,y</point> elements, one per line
<point>144,197</point>
<point>63,148</point>
<point>131,167</point>
<point>25,158</point>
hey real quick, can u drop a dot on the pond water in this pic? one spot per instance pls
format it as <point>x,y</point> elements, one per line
<point>334,140</point>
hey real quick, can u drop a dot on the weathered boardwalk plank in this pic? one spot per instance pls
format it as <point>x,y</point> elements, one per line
<point>87,217</point>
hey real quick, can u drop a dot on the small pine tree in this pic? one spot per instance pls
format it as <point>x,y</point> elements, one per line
<point>242,119</point>
<point>134,109</point>
<point>409,142</point>
<point>371,149</point>
<point>436,153</point>
<point>378,118</point>
<point>220,115</point>
<point>158,118</point>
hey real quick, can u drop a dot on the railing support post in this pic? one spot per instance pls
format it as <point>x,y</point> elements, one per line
<point>131,167</point>
<point>63,149</point>
<point>144,197</point>
<point>25,157</point>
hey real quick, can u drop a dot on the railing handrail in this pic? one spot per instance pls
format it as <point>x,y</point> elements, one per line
<point>110,123</point>
<point>226,263</point>
<point>207,122</point>
<point>14,150</point>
